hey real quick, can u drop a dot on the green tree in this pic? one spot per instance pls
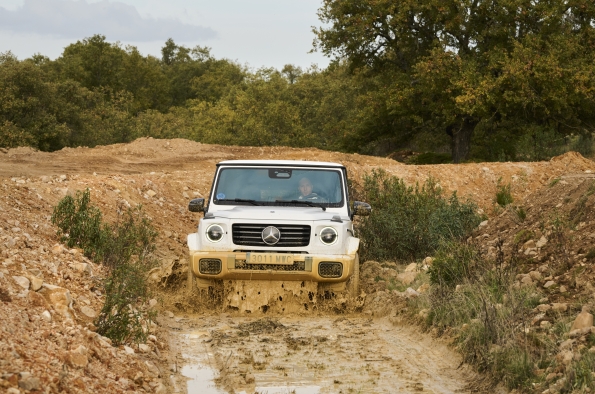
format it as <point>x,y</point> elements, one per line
<point>464,67</point>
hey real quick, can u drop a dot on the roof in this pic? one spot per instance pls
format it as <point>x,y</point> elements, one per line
<point>280,163</point>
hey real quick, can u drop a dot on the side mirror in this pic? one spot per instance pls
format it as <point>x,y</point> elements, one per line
<point>196,205</point>
<point>361,208</point>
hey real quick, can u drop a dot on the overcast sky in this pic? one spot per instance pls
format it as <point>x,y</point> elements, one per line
<point>268,33</point>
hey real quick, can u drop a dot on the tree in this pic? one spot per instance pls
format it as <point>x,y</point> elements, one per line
<point>449,62</point>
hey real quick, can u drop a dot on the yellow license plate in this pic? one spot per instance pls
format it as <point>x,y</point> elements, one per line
<point>269,258</point>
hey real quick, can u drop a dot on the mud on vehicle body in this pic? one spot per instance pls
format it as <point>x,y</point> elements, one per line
<point>277,220</point>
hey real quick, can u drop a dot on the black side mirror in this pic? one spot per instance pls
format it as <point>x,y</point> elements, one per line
<point>361,208</point>
<point>196,205</point>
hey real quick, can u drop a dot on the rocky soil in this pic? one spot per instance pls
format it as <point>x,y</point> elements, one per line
<point>49,295</point>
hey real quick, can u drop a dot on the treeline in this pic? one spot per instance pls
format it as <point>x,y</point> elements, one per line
<point>462,80</point>
<point>98,93</point>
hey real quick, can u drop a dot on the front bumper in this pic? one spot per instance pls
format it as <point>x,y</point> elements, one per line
<point>306,267</point>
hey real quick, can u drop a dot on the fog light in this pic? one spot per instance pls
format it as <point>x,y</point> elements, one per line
<point>209,266</point>
<point>330,269</point>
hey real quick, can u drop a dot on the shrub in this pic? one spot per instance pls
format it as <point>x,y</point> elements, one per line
<point>503,194</point>
<point>486,314</point>
<point>125,247</point>
<point>410,222</point>
<point>79,223</point>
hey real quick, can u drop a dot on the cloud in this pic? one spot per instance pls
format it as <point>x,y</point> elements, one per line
<point>77,19</point>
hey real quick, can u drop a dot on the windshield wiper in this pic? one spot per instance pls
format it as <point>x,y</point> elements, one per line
<point>304,202</point>
<point>253,202</point>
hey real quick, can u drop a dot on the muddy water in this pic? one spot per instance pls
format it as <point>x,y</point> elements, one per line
<point>311,354</point>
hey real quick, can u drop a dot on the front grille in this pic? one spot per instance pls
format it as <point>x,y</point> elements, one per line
<point>297,266</point>
<point>328,269</point>
<point>209,266</point>
<point>249,234</point>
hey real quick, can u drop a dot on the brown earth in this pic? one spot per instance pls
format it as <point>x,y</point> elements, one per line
<point>58,350</point>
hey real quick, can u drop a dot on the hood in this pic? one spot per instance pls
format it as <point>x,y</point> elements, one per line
<point>276,213</point>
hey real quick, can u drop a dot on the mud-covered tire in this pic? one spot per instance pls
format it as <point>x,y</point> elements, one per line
<point>191,280</point>
<point>353,283</point>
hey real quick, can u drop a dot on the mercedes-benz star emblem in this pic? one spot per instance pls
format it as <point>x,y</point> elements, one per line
<point>271,235</point>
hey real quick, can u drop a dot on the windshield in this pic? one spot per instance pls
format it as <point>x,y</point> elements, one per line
<point>279,187</point>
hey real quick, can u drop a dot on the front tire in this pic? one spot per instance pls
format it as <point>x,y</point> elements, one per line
<point>353,284</point>
<point>191,280</point>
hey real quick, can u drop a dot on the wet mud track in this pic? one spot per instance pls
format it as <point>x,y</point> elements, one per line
<point>309,354</point>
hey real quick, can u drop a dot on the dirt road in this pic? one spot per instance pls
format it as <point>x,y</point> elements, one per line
<point>322,352</point>
<point>312,354</point>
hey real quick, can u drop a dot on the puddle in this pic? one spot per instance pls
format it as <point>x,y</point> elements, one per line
<point>198,366</point>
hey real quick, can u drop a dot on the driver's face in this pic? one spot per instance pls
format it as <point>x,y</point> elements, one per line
<point>305,187</point>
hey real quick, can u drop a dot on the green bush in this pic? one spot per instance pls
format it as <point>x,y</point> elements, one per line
<point>503,194</point>
<point>410,222</point>
<point>79,223</point>
<point>453,263</point>
<point>125,247</point>
<point>486,314</point>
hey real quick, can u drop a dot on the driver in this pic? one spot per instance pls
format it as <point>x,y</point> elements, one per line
<point>305,188</point>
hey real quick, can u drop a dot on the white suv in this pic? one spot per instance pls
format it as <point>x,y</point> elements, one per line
<point>277,220</point>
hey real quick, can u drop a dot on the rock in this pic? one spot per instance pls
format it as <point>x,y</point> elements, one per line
<point>152,303</point>
<point>535,275</point>
<point>537,319</point>
<point>57,249</point>
<point>584,319</point>
<point>59,298</point>
<point>526,280</point>
<point>152,368</point>
<point>483,224</point>
<point>128,350</point>
<point>144,348</point>
<point>169,314</point>
<point>410,293</point>
<point>185,195</point>
<point>566,344</point>
<point>160,389</point>
<point>428,261</point>
<point>36,282</point>
<point>563,289</point>
<point>541,243</point>
<point>544,325</point>
<point>543,307</point>
<point>411,267</point>
<point>151,193</point>
<point>565,357</point>
<point>89,312</point>
<point>22,281</point>
<point>76,359</point>
<point>549,284</point>
<point>84,268</point>
<point>46,315</point>
<point>580,332</point>
<point>406,277</point>
<point>559,307</point>
<point>30,383</point>
<point>530,244</point>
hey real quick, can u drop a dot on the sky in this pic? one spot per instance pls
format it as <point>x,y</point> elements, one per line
<point>257,33</point>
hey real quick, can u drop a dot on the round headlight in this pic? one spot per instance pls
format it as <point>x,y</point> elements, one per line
<point>328,235</point>
<point>215,233</point>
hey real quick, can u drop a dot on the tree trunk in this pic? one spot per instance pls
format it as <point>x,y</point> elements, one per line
<point>461,140</point>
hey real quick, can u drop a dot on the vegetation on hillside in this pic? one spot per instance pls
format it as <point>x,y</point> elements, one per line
<point>125,247</point>
<point>477,80</point>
